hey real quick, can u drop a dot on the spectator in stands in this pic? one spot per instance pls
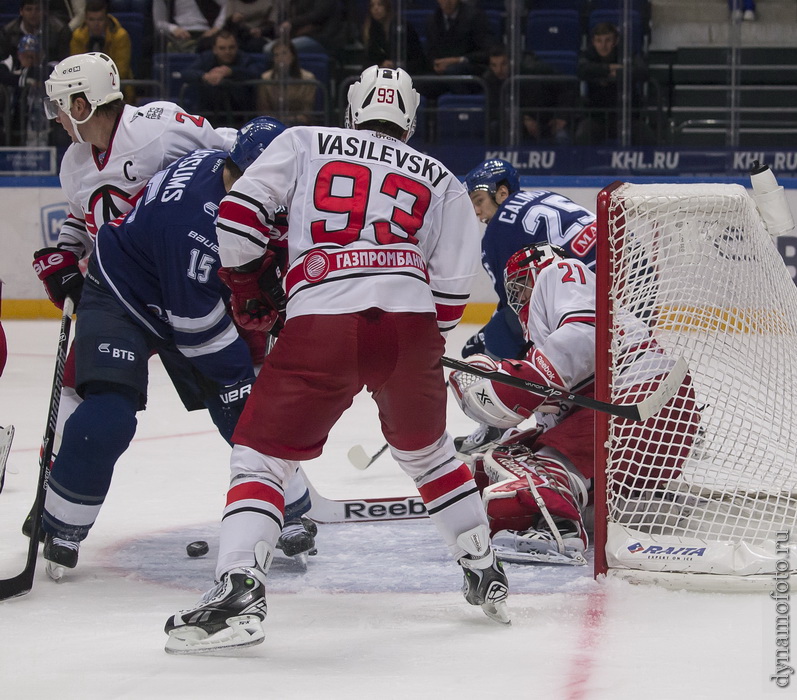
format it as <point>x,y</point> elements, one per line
<point>185,26</point>
<point>102,32</point>
<point>458,39</point>
<point>252,21</point>
<point>600,67</point>
<point>220,74</point>
<point>314,26</point>
<point>291,104</point>
<point>547,107</point>
<point>55,31</point>
<point>23,73</point>
<point>495,76</point>
<point>742,9</point>
<point>379,40</point>
<point>70,12</point>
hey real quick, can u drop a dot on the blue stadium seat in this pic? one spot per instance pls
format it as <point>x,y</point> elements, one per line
<point>168,68</point>
<point>565,62</point>
<point>553,30</point>
<point>461,119</point>
<point>419,18</point>
<point>640,6</point>
<point>496,20</point>
<point>317,64</point>
<point>135,25</point>
<point>141,7</point>
<point>577,5</point>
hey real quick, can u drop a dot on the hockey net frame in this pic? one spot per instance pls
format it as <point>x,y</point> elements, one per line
<point>697,264</point>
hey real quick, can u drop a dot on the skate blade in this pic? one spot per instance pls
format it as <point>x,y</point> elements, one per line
<point>301,559</point>
<point>241,632</point>
<point>511,556</point>
<point>55,571</point>
<point>498,612</point>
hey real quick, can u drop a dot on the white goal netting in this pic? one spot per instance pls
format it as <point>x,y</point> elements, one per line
<point>696,265</point>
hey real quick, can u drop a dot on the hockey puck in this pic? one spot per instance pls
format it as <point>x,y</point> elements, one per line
<point>197,549</point>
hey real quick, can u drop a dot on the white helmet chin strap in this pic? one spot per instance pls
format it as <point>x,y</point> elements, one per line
<point>76,123</point>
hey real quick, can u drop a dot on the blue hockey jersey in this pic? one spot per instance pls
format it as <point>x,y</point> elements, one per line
<point>161,262</point>
<point>526,218</point>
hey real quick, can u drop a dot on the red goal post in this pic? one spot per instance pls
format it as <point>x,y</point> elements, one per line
<point>695,264</point>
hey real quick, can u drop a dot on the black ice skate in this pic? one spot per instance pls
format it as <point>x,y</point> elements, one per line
<point>297,539</point>
<point>60,555</point>
<point>485,582</point>
<point>228,616</point>
<point>480,440</point>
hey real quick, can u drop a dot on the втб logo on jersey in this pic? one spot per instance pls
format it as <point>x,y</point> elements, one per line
<point>120,353</point>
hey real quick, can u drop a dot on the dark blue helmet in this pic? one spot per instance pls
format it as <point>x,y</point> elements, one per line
<point>489,174</point>
<point>253,138</point>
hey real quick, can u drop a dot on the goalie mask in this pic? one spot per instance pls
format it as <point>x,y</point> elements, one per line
<point>490,174</point>
<point>383,94</point>
<point>522,270</point>
<point>253,138</point>
<point>95,75</point>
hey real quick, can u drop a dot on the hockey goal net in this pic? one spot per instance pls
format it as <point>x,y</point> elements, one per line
<point>695,264</point>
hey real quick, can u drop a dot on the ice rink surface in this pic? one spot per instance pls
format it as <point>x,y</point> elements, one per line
<point>378,613</point>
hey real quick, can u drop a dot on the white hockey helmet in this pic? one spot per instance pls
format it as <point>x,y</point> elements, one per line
<point>95,75</point>
<point>384,94</point>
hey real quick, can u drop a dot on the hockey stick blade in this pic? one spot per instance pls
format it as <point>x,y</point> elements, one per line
<point>6,438</point>
<point>641,411</point>
<point>23,582</point>
<point>327,511</point>
<point>359,457</point>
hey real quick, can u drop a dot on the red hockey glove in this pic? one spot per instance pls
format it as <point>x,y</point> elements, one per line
<point>58,270</point>
<point>258,301</point>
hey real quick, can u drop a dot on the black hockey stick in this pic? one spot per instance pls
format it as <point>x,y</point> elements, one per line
<point>23,582</point>
<point>641,411</point>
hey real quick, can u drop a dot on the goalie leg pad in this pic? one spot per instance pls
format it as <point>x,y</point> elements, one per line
<point>534,508</point>
<point>516,474</point>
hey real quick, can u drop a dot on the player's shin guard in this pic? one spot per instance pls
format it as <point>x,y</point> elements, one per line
<point>255,506</point>
<point>95,436</point>
<point>231,614</point>
<point>454,506</point>
<point>68,404</point>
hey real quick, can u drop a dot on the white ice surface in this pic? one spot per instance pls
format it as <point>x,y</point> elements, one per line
<point>378,614</point>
